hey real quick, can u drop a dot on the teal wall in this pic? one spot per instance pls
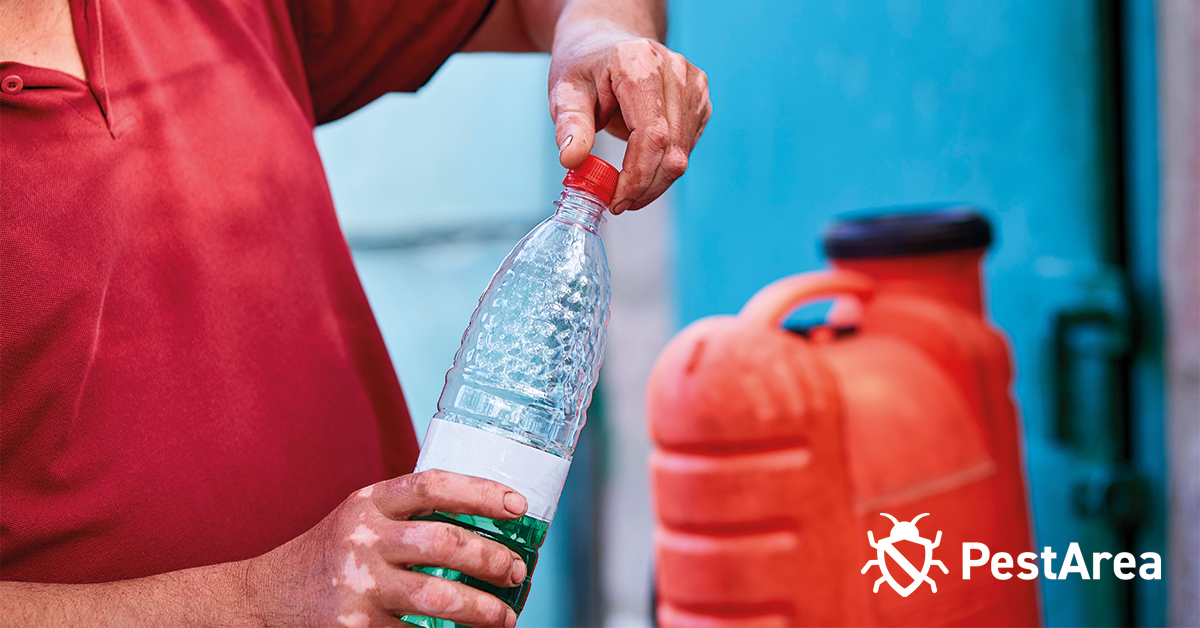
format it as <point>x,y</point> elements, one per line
<point>826,107</point>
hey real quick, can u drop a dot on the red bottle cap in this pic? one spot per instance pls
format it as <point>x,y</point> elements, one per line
<point>596,177</point>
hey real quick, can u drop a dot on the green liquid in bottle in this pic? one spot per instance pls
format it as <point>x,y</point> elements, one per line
<point>523,536</point>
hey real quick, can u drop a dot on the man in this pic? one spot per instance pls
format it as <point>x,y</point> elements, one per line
<point>191,381</point>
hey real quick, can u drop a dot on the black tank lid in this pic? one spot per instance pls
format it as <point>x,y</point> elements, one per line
<point>901,231</point>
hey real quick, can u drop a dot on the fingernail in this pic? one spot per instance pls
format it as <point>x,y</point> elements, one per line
<point>514,503</point>
<point>510,620</point>
<point>518,571</point>
<point>622,206</point>
<point>566,143</point>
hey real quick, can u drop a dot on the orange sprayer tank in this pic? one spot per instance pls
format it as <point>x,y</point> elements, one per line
<point>777,451</point>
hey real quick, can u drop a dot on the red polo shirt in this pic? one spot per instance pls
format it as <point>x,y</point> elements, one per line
<point>189,370</point>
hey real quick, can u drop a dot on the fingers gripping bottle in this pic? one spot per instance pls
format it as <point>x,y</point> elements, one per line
<point>516,397</point>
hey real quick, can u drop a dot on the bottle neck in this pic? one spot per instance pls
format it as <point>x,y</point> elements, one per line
<point>578,207</point>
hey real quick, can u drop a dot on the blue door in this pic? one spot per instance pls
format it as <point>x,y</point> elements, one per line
<point>1042,113</point>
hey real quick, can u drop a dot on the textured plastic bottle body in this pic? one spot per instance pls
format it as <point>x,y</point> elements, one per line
<point>516,398</point>
<point>531,354</point>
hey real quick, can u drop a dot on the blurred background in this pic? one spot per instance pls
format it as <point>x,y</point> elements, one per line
<point>1044,114</point>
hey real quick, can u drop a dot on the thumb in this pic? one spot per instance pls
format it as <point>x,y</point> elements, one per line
<point>574,111</point>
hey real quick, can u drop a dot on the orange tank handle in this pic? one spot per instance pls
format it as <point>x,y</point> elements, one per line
<point>771,305</point>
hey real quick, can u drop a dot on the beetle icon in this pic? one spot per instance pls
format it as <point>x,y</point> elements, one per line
<point>904,531</point>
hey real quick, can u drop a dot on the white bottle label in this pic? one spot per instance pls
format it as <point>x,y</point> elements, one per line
<point>459,448</point>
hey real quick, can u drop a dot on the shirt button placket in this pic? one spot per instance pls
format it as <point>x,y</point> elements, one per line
<point>12,84</point>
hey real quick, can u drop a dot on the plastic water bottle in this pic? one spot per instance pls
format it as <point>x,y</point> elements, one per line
<point>516,398</point>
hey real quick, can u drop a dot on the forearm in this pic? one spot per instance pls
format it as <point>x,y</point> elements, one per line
<point>550,23</point>
<point>201,597</point>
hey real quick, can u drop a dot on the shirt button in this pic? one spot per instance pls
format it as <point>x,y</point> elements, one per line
<point>12,84</point>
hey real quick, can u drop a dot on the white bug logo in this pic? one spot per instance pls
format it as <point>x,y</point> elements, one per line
<point>904,531</point>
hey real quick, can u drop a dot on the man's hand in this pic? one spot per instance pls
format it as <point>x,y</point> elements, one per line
<point>352,569</point>
<point>636,89</point>
<point>608,70</point>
